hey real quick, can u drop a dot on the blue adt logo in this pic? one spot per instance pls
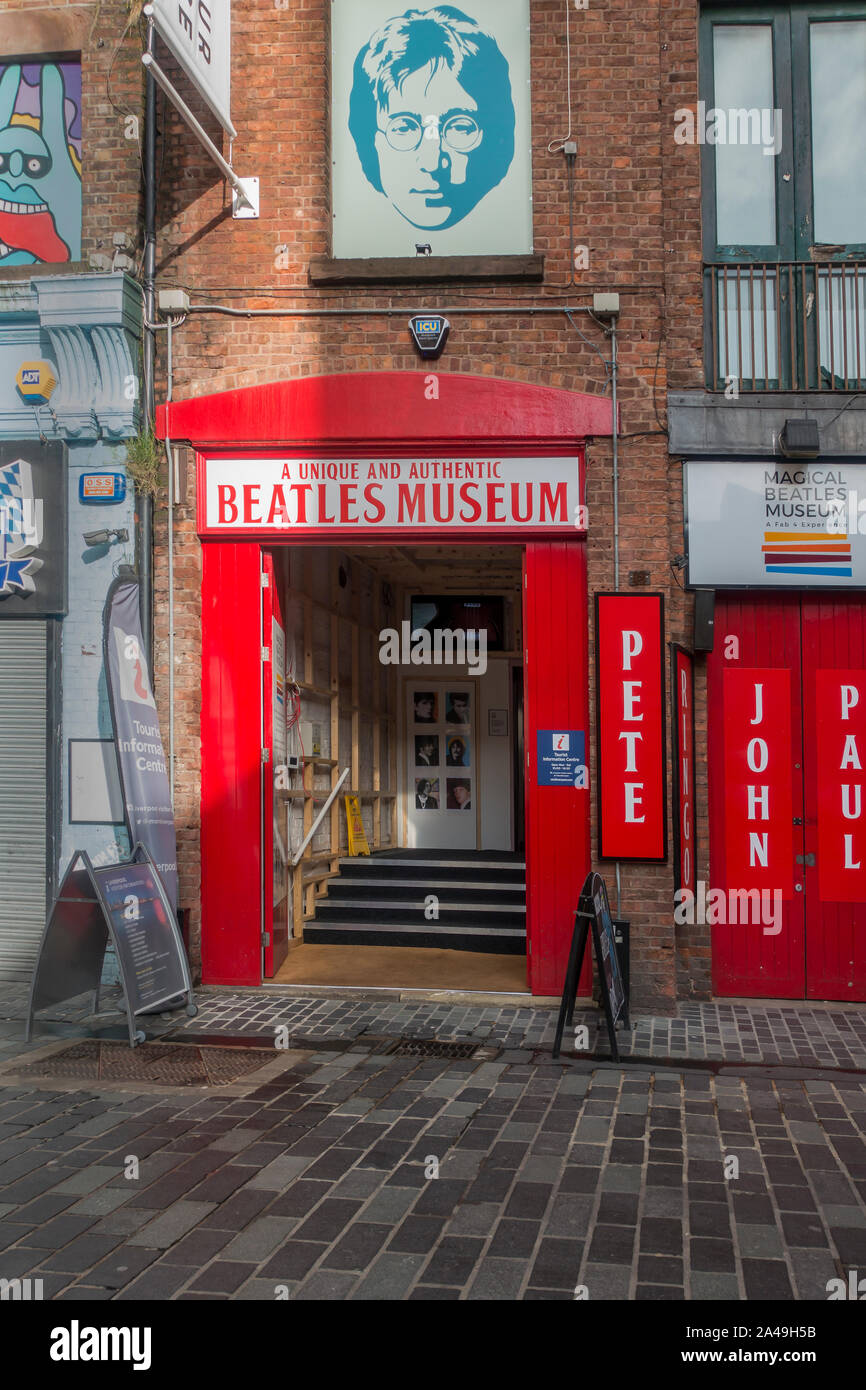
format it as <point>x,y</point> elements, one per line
<point>432,116</point>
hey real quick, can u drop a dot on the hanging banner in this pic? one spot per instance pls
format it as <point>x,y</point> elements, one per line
<point>840,701</point>
<point>140,755</point>
<point>759,851</point>
<point>199,36</point>
<point>632,808</point>
<point>683,759</point>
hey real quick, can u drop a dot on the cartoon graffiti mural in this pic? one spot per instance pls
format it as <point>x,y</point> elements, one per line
<point>40,163</point>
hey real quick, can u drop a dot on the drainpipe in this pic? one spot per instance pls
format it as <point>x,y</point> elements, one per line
<point>144,510</point>
<point>615,438</point>
<point>169,375</point>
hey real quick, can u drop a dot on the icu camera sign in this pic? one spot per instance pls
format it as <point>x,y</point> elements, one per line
<point>562,758</point>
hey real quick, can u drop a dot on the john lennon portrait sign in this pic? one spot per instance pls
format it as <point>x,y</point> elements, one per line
<point>430,128</point>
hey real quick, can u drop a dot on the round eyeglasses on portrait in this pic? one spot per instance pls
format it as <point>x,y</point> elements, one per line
<point>459,133</point>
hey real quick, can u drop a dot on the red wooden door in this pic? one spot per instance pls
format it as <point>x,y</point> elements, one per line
<point>556,682</point>
<point>834,706</point>
<point>807,653</point>
<point>756,798</point>
<point>275,898</point>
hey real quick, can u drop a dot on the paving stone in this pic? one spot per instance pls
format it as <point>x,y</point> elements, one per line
<point>87,1180</point>
<point>388,1205</point>
<point>81,1254</point>
<point>390,1277</point>
<point>197,1248</point>
<point>766,1279</point>
<point>606,1281</point>
<point>222,1276</point>
<point>453,1260</point>
<point>660,1269</point>
<point>171,1224</point>
<point>121,1267</point>
<point>326,1285</point>
<point>557,1263</point>
<point>713,1286</point>
<point>359,1245</point>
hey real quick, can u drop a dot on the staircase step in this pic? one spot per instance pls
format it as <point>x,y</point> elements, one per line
<point>458,914</point>
<point>380,901</point>
<point>389,894</point>
<point>425,865</point>
<point>502,941</point>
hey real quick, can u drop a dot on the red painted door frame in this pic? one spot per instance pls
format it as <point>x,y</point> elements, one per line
<point>556,696</point>
<point>367,413</point>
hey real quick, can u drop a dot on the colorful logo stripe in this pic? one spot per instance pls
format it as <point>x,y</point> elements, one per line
<point>807,552</point>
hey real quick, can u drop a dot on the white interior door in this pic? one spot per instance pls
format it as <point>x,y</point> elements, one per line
<point>442,764</point>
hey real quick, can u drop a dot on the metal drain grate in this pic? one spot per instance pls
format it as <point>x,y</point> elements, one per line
<point>164,1064</point>
<point>431,1047</point>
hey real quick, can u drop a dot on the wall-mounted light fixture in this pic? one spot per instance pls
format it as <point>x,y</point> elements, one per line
<point>799,439</point>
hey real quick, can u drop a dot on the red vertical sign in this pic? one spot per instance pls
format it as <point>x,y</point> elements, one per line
<point>632,812</point>
<point>758,787</point>
<point>840,704</point>
<point>683,751</point>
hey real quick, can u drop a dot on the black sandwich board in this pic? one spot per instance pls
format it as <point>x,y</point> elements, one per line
<point>127,903</point>
<point>593,910</point>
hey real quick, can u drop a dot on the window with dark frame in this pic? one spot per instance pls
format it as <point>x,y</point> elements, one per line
<point>783,93</point>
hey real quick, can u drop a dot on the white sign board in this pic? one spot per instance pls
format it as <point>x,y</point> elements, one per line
<point>776,524</point>
<point>430,128</point>
<point>198,32</point>
<point>375,496</point>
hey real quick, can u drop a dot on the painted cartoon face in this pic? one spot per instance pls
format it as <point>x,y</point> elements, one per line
<point>429,142</point>
<point>40,187</point>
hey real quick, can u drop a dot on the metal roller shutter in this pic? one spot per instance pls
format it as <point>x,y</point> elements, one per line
<point>23,695</point>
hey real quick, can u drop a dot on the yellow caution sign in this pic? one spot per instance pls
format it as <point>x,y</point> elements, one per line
<point>357,834</point>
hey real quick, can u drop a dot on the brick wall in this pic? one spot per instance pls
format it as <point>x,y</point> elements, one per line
<point>637,209</point>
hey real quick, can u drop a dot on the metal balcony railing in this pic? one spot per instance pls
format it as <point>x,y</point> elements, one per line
<point>786,325</point>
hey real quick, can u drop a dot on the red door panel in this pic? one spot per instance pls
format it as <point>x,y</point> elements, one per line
<point>834,704</point>
<point>557,697</point>
<point>275,900</point>
<point>756,797</point>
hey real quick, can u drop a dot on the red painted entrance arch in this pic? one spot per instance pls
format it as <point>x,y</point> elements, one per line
<point>370,408</point>
<point>367,413</point>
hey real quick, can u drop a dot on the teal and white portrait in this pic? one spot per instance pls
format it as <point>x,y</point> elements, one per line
<point>40,163</point>
<point>430,128</point>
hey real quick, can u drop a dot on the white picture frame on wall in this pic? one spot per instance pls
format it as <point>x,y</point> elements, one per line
<point>95,796</point>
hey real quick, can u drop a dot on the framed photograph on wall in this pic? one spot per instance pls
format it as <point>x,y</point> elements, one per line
<point>497,723</point>
<point>430,128</point>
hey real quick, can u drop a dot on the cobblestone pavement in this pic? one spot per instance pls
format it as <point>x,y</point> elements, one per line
<point>320,1183</point>
<point>796,1034</point>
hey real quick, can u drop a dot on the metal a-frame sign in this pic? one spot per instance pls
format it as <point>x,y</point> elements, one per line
<point>123,903</point>
<point>593,911</point>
